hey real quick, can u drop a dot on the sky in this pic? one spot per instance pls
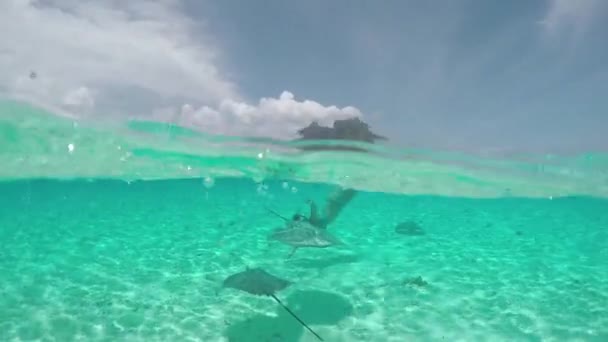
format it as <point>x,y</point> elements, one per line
<point>479,75</point>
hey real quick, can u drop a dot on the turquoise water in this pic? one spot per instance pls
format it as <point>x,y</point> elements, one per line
<point>109,260</point>
<point>125,232</point>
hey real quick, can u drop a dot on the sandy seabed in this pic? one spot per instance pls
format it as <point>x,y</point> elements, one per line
<point>145,262</point>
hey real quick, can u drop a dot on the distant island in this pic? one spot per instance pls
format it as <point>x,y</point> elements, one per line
<point>352,129</point>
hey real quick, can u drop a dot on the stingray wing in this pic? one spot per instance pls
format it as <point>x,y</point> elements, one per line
<point>304,234</point>
<point>256,281</point>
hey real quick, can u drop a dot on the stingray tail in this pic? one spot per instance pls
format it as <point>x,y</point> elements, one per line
<point>278,215</point>
<point>296,317</point>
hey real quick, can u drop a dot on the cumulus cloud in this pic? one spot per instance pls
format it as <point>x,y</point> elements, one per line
<point>79,100</point>
<point>87,47</point>
<point>138,58</point>
<point>272,117</point>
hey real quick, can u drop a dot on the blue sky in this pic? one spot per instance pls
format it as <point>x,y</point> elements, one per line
<point>474,75</point>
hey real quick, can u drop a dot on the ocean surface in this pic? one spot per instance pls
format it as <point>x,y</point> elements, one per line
<point>126,232</point>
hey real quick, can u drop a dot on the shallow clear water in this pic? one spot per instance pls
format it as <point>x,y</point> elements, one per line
<point>34,144</point>
<point>511,250</point>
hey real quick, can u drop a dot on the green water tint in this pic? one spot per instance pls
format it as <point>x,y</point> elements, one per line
<point>36,144</point>
<point>437,245</point>
<point>142,261</point>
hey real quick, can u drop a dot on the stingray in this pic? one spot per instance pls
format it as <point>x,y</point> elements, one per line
<point>258,282</point>
<point>299,232</point>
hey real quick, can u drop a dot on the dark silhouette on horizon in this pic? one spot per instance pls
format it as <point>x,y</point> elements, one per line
<point>353,129</point>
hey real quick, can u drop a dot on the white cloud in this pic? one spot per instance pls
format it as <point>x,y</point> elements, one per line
<point>100,45</point>
<point>572,14</point>
<point>135,57</point>
<point>79,100</point>
<point>272,117</point>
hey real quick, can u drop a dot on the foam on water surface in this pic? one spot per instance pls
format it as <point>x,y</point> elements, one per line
<point>36,144</point>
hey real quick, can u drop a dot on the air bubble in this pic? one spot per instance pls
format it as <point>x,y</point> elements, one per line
<point>294,189</point>
<point>263,155</point>
<point>258,179</point>
<point>71,148</point>
<point>126,156</point>
<point>260,190</point>
<point>285,185</point>
<point>208,182</point>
